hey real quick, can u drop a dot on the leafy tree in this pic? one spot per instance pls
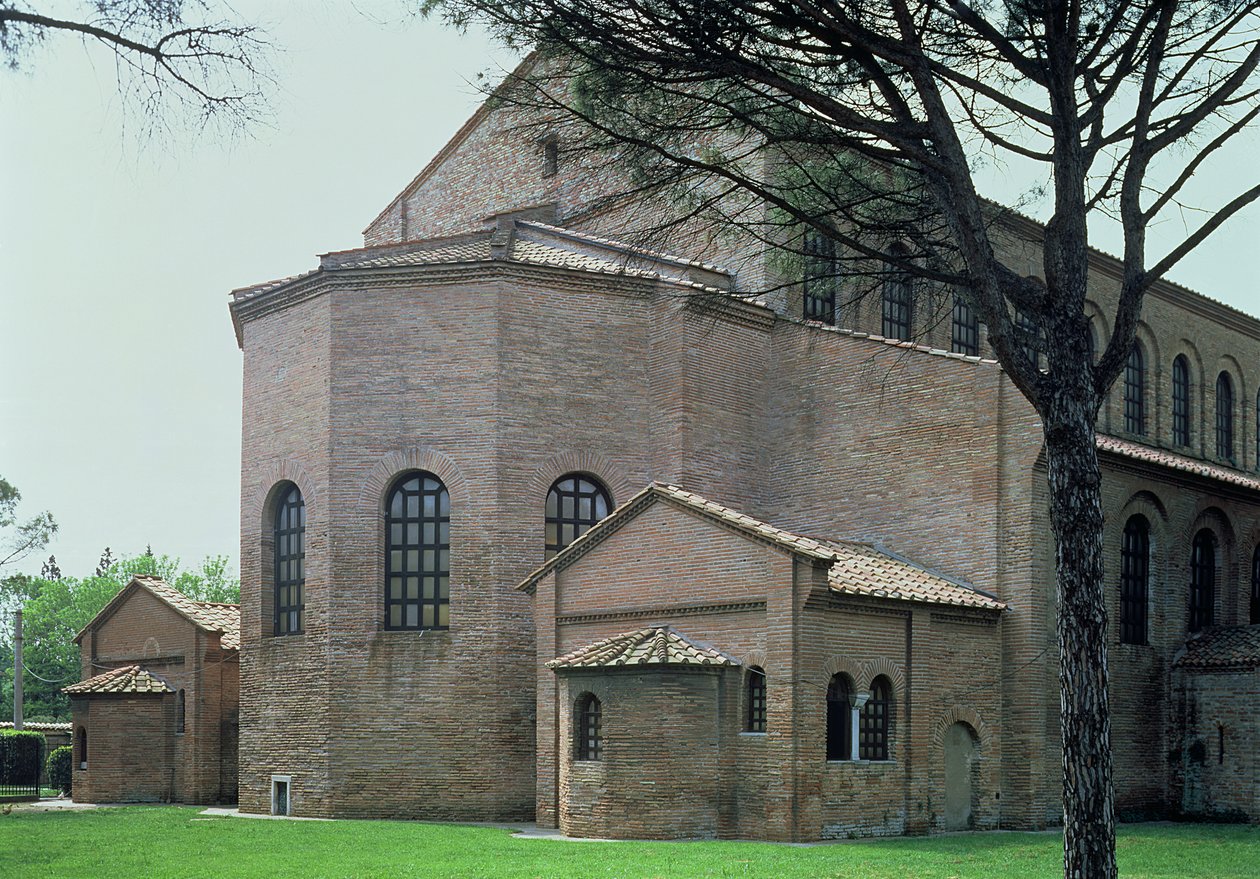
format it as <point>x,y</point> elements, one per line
<point>57,768</point>
<point>864,122</point>
<point>107,561</point>
<point>50,569</point>
<point>19,539</point>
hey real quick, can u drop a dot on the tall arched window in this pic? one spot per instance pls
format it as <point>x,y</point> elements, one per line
<point>1135,391</point>
<point>1202,580</point>
<point>179,711</point>
<point>82,741</point>
<point>965,333</point>
<point>1225,417</point>
<point>289,578</point>
<point>1253,615</point>
<point>755,694</point>
<point>1181,401</point>
<point>1029,335</point>
<point>574,504</point>
<point>589,737</point>
<point>821,277</point>
<point>1135,568</point>
<point>898,298</point>
<point>839,718</point>
<point>876,714</point>
<point>417,554</point>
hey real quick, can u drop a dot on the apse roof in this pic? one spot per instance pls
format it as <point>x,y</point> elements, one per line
<point>130,679</point>
<point>1223,647</point>
<point>657,645</point>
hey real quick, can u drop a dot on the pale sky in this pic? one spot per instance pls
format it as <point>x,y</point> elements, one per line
<point>120,379</point>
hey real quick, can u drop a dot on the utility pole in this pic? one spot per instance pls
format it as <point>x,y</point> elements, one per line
<point>17,668</point>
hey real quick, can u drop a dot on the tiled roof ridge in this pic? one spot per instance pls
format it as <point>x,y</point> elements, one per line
<point>927,569</point>
<point>653,645</point>
<point>1221,647</point>
<point>900,343</point>
<point>1175,461</point>
<point>210,616</point>
<point>124,679</point>
<point>615,244</point>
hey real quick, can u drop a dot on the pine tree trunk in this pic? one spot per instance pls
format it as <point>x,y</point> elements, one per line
<point>1076,518</point>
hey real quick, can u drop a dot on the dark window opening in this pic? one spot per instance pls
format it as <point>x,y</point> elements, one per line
<point>1202,580</point>
<point>756,696</point>
<point>574,504</point>
<point>179,711</point>
<point>839,719</point>
<point>551,155</point>
<point>873,738</point>
<point>1220,744</point>
<point>417,557</point>
<point>965,335</point>
<point>898,301</point>
<point>1225,417</point>
<point>83,747</point>
<point>1135,391</point>
<point>1181,401</point>
<point>589,744</point>
<point>1028,334</point>
<point>1134,580</point>
<point>1253,616</point>
<point>821,277</point>
<point>290,562</point>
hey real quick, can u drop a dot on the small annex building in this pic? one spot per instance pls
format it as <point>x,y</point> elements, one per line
<point>155,716</point>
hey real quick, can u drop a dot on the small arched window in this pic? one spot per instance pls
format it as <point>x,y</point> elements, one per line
<point>839,718</point>
<point>417,555</point>
<point>289,549</point>
<point>589,738</point>
<point>965,333</point>
<point>822,277</point>
<point>876,714</point>
<point>1135,566</point>
<point>179,711</point>
<point>898,298</point>
<point>1181,401</point>
<point>574,504</point>
<point>82,742</point>
<point>1202,580</point>
<point>1253,615</point>
<point>1225,417</point>
<point>755,695</point>
<point>1135,391</point>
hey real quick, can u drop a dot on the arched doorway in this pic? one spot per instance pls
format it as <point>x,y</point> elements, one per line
<point>960,764</point>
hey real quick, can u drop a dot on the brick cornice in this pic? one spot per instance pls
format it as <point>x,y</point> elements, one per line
<point>661,611</point>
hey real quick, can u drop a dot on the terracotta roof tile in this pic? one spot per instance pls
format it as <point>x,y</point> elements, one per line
<point>39,726</point>
<point>864,569</point>
<point>1224,647</point>
<point>128,679</point>
<point>658,645</point>
<point>1172,460</point>
<point>211,616</point>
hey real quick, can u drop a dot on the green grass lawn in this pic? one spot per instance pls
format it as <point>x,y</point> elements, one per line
<point>163,842</point>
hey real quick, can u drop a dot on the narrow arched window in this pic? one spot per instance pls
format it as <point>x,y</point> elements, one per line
<point>1091,344</point>
<point>876,714</point>
<point>1135,391</point>
<point>822,277</point>
<point>417,557</point>
<point>965,332</point>
<point>1202,580</point>
<point>589,737</point>
<point>755,695</point>
<point>1253,615</point>
<point>179,711</point>
<point>574,504</point>
<point>83,747</point>
<point>1135,567</point>
<point>1181,401</point>
<point>1225,417</point>
<point>898,298</point>
<point>289,576</point>
<point>839,718</point>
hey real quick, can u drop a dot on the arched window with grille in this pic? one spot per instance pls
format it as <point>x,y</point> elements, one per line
<point>417,553</point>
<point>965,331</point>
<point>822,277</point>
<point>1225,417</point>
<point>289,570</point>
<point>755,697</point>
<point>1181,401</point>
<point>840,718</point>
<point>1202,580</point>
<point>1135,391</point>
<point>589,732</point>
<point>1028,332</point>
<point>574,503</point>
<point>876,719</point>
<point>898,298</point>
<point>1135,568</point>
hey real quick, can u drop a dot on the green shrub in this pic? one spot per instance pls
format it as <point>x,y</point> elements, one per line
<point>58,768</point>
<point>21,756</point>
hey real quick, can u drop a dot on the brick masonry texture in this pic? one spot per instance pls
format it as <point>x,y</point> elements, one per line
<point>500,376</point>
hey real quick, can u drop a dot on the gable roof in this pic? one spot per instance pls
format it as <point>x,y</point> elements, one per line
<point>1223,647</point>
<point>854,567</point>
<point>209,616</point>
<point>128,679</point>
<point>656,645</point>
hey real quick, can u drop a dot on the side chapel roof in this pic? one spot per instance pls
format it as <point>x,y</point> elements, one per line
<point>130,679</point>
<point>657,645</point>
<point>209,616</point>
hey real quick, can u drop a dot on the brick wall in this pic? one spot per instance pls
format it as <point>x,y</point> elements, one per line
<point>131,749</point>
<point>1213,758</point>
